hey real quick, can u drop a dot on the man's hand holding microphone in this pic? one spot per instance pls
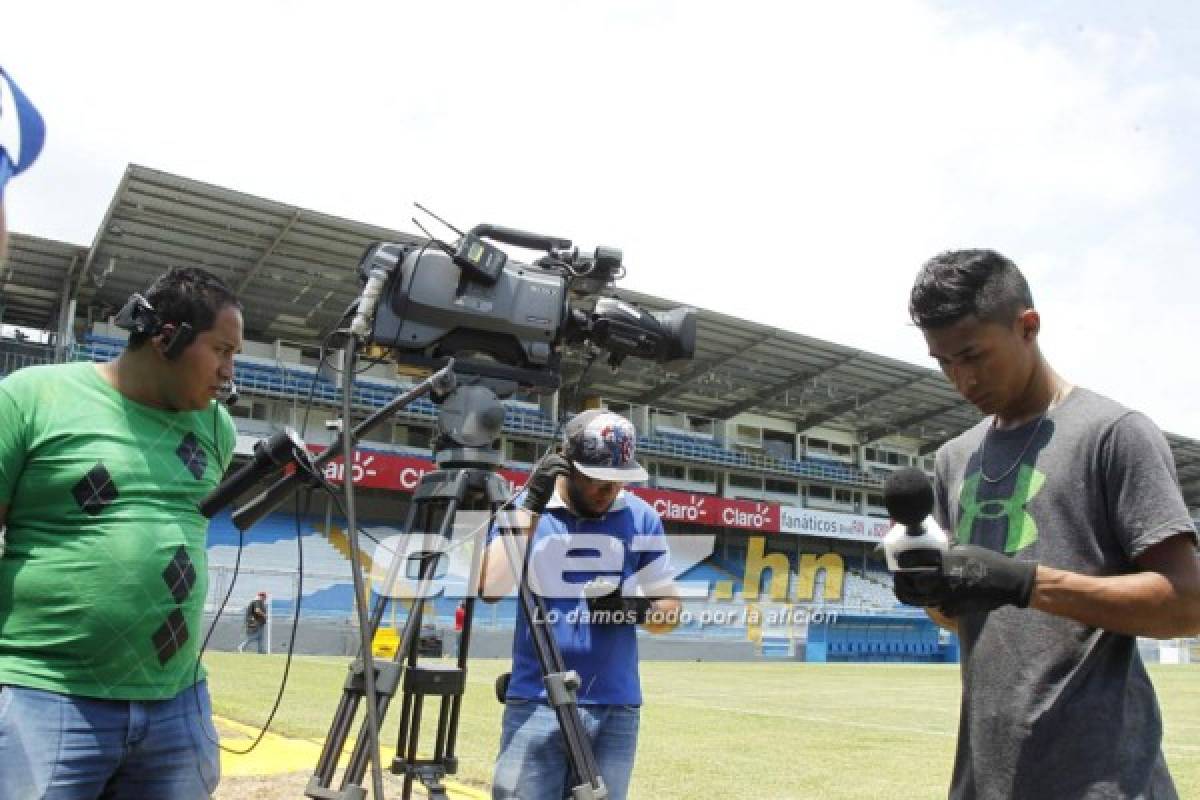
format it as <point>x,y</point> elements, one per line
<point>929,572</point>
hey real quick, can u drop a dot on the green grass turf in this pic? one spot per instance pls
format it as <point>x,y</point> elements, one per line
<point>771,730</point>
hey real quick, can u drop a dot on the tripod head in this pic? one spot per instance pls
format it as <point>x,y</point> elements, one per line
<point>470,420</point>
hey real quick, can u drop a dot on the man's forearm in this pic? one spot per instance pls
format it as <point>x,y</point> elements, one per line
<point>1141,604</point>
<point>497,575</point>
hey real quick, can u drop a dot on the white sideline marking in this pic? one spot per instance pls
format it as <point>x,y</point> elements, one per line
<point>812,718</point>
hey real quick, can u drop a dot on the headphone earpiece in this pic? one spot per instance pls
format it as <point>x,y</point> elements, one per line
<point>180,336</point>
<point>139,317</point>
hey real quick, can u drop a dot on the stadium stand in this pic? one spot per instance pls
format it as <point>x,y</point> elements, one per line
<point>831,422</point>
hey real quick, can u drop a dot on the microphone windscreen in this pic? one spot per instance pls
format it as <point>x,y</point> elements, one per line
<point>908,495</point>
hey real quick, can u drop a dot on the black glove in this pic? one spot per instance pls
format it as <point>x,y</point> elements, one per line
<point>607,606</point>
<point>540,486</point>
<point>969,579</point>
<point>925,589</point>
<point>919,581</point>
<point>983,580</point>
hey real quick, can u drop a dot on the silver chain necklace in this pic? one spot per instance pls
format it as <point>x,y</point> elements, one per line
<point>1054,401</point>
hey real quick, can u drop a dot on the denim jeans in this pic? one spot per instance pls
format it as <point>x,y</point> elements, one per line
<point>258,636</point>
<point>533,763</point>
<point>61,747</point>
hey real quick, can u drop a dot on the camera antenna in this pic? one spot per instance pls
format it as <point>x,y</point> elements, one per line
<point>445,247</point>
<point>435,216</point>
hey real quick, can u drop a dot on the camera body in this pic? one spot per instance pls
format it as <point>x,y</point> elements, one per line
<point>430,310</point>
<point>502,318</point>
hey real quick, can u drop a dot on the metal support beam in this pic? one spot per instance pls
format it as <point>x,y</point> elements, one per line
<point>1183,462</point>
<point>66,311</point>
<point>880,431</point>
<point>766,392</point>
<point>109,216</point>
<point>859,400</point>
<point>673,385</point>
<point>250,273</point>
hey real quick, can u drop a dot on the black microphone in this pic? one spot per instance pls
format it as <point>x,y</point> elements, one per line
<point>282,447</point>
<point>908,496</point>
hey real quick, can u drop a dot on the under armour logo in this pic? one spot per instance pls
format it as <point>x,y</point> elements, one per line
<point>1021,529</point>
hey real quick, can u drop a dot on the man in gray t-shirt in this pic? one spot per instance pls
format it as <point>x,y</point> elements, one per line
<point>1070,538</point>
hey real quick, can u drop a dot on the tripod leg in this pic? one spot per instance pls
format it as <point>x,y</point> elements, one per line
<point>387,676</point>
<point>352,695</point>
<point>448,727</point>
<point>446,683</point>
<point>410,637</point>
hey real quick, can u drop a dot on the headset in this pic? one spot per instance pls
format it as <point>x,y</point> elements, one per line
<point>139,317</point>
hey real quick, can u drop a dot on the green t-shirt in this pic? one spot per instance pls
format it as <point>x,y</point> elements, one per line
<point>104,572</point>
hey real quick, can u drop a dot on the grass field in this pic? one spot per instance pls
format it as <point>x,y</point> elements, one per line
<point>764,730</point>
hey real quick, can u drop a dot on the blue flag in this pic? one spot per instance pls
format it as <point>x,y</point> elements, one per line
<point>22,130</point>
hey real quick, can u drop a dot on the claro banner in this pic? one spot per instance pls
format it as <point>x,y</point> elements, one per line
<point>705,509</point>
<point>375,470</point>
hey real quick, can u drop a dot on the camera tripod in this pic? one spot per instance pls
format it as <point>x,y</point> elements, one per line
<point>470,417</point>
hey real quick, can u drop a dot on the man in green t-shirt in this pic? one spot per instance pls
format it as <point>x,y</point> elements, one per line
<point>104,574</point>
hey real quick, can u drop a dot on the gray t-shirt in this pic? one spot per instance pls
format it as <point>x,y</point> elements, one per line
<point>1052,708</point>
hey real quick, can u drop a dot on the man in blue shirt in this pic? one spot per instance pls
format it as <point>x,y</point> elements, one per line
<point>600,561</point>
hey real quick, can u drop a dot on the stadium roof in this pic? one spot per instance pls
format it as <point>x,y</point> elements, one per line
<point>34,279</point>
<point>294,270</point>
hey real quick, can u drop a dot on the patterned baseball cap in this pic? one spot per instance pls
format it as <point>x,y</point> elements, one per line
<point>601,445</point>
<point>22,130</point>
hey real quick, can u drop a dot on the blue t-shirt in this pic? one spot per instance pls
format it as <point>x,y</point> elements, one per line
<point>630,541</point>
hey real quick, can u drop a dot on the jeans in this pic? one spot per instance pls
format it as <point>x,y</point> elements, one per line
<point>62,747</point>
<point>533,763</point>
<point>257,635</point>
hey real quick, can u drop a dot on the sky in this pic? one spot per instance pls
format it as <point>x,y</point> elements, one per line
<point>789,163</point>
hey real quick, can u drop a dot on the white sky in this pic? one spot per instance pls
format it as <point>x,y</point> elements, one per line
<point>790,163</point>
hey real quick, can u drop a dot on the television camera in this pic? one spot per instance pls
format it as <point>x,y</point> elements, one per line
<point>484,325</point>
<point>502,318</point>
